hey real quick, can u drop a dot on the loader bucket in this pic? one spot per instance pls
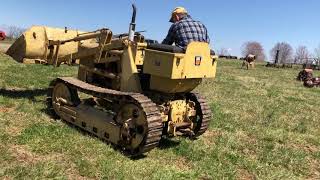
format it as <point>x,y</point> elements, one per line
<point>33,44</point>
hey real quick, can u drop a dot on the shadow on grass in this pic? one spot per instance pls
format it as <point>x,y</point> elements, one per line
<point>166,143</point>
<point>23,93</point>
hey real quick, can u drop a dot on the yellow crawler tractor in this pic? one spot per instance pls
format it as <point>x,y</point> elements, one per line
<point>130,93</point>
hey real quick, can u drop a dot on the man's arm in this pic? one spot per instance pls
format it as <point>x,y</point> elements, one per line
<point>170,36</point>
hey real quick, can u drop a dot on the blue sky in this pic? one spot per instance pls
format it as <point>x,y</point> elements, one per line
<point>230,22</point>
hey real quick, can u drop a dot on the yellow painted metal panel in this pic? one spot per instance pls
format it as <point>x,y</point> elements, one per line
<point>173,85</point>
<point>198,52</point>
<point>181,66</point>
<point>33,44</point>
<point>158,63</point>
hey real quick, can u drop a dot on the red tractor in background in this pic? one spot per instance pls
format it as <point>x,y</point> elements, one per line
<point>2,35</point>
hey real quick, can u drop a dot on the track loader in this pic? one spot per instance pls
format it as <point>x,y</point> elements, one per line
<point>131,93</point>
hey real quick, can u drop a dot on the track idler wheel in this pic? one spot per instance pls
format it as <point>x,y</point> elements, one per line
<point>61,94</point>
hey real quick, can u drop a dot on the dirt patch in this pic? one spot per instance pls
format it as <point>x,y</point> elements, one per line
<point>308,148</point>
<point>209,136</point>
<point>24,155</point>
<point>71,173</point>
<point>314,169</point>
<point>16,122</point>
<point>183,164</point>
<point>243,136</point>
<point>243,174</point>
<point>7,178</point>
<point>247,144</point>
<point>14,131</point>
<point>211,133</point>
<point>6,109</point>
<point>180,163</point>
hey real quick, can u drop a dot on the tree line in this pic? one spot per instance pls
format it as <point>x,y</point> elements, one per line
<point>286,54</point>
<point>12,32</point>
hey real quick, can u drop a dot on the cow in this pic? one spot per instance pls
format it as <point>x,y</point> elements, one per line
<point>249,61</point>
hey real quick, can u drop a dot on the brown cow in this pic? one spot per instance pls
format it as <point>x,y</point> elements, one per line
<point>249,61</point>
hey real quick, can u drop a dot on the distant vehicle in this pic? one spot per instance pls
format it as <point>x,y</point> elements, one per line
<point>228,57</point>
<point>312,64</point>
<point>2,35</point>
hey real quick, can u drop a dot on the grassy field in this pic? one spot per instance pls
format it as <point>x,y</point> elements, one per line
<point>265,126</point>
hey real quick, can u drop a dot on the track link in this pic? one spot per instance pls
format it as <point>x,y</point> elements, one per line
<point>154,121</point>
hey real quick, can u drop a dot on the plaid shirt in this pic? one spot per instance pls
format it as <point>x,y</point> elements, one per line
<point>186,30</point>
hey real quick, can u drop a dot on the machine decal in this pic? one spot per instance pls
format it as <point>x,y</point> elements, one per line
<point>197,60</point>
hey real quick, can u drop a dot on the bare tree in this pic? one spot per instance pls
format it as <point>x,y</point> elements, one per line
<point>302,55</point>
<point>285,52</point>
<point>254,48</point>
<point>317,55</point>
<point>223,52</point>
<point>317,52</point>
<point>14,32</point>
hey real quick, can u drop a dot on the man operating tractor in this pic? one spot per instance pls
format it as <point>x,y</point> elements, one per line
<point>184,29</point>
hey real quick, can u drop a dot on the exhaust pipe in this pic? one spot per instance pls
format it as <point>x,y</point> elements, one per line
<point>132,27</point>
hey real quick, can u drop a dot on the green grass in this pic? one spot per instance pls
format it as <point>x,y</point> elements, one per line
<point>265,126</point>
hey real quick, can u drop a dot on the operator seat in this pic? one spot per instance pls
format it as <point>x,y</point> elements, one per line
<point>169,48</point>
